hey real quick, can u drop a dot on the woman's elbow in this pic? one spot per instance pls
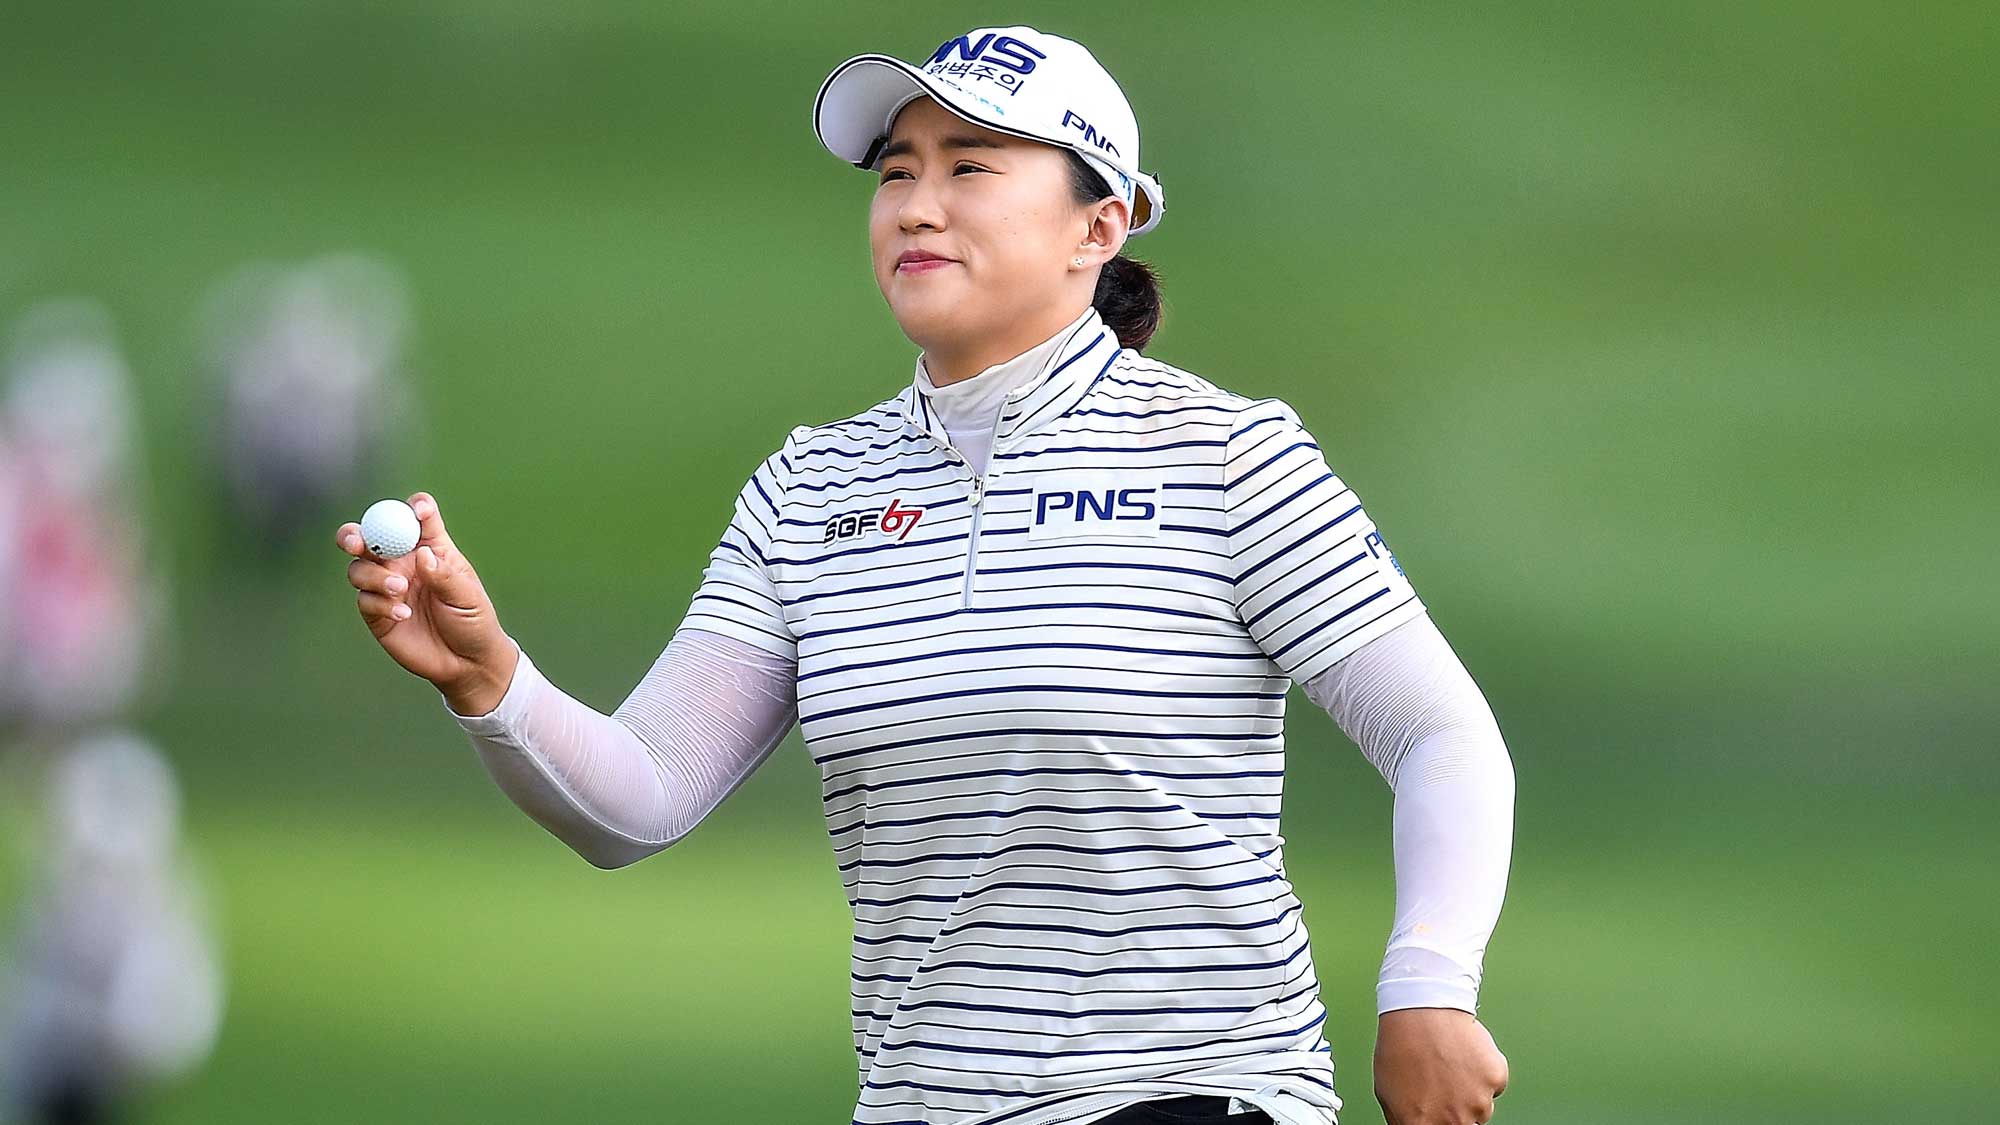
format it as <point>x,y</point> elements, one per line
<point>609,853</point>
<point>601,844</point>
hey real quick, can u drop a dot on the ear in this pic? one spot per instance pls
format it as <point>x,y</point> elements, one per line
<point>1108,222</point>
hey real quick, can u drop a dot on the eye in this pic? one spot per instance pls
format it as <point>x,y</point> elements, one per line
<point>962,165</point>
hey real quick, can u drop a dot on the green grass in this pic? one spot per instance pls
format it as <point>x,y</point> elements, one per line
<point>466,967</point>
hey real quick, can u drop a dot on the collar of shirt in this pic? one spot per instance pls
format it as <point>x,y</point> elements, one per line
<point>1040,385</point>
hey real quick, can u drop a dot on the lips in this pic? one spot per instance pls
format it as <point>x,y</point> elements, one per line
<point>921,261</point>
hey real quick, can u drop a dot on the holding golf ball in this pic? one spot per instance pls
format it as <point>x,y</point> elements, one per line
<point>389,529</point>
<point>424,603</point>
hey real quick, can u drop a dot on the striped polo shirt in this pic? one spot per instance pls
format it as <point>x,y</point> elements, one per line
<point>1047,705</point>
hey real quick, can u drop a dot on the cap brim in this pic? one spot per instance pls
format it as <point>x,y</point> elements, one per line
<point>858,102</point>
<point>860,98</point>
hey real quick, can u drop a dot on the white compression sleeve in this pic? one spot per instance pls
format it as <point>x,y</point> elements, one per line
<point>620,787</point>
<point>1407,701</point>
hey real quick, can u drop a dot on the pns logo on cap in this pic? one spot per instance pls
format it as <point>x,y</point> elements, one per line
<point>1071,119</point>
<point>999,61</point>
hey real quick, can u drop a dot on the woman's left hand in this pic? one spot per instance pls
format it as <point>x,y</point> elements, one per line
<point>1436,1066</point>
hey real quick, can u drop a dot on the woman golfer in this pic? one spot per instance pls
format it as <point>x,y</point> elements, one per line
<point>1036,616</point>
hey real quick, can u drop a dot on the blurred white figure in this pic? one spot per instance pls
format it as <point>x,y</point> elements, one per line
<point>310,359</point>
<point>71,391</point>
<point>79,608</point>
<point>117,983</point>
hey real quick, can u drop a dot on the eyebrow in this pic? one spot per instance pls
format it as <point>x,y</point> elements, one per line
<point>957,140</point>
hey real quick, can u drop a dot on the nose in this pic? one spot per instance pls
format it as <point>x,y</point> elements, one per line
<point>923,205</point>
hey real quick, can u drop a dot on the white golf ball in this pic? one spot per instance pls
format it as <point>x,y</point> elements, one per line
<point>389,529</point>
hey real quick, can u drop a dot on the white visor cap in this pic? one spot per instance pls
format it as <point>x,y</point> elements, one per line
<point>1010,79</point>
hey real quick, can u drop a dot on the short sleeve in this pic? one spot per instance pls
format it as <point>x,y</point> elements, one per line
<point>1314,578</point>
<point>737,597</point>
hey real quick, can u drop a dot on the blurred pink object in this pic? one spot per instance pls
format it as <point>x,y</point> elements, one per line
<point>74,604</point>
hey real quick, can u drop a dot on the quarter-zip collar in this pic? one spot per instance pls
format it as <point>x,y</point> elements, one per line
<point>1085,352</point>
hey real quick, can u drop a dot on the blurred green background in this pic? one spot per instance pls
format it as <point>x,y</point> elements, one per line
<point>1660,340</point>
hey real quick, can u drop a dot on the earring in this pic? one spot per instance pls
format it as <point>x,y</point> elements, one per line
<point>1076,261</point>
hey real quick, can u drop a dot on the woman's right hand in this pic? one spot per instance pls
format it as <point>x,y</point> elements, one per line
<point>431,614</point>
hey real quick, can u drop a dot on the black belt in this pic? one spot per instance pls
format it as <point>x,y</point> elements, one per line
<point>1190,1109</point>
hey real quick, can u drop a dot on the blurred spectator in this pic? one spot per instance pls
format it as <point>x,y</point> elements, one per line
<point>76,606</point>
<point>115,984</point>
<point>10,554</point>
<point>309,360</point>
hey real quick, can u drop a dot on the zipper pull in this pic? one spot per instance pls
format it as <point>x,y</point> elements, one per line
<point>978,490</point>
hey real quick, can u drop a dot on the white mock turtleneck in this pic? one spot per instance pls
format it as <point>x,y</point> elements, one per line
<point>970,408</point>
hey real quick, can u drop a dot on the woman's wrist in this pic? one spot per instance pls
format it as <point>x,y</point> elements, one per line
<point>481,690</point>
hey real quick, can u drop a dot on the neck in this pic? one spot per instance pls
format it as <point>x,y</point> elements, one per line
<point>950,361</point>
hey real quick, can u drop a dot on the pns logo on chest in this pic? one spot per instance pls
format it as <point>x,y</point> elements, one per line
<point>1094,508</point>
<point>895,520</point>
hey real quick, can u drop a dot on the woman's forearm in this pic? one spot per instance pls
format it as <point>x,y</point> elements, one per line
<point>1408,702</point>
<point>617,788</point>
<point>1453,842</point>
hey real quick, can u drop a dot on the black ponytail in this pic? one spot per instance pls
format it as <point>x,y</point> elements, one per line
<point>1128,290</point>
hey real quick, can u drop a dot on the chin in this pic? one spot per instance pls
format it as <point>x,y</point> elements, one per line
<point>929,316</point>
